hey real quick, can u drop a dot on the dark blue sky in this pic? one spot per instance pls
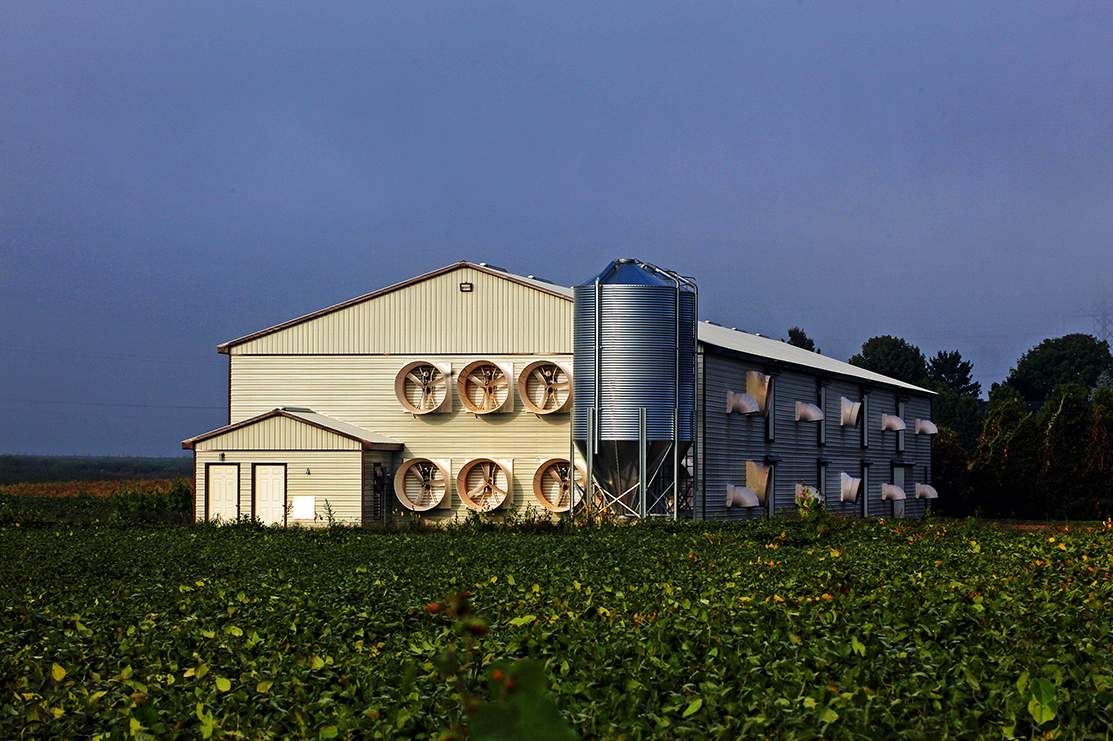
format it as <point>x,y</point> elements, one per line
<point>176,175</point>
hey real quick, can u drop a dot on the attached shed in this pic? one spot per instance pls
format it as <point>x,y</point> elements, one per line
<point>292,465</point>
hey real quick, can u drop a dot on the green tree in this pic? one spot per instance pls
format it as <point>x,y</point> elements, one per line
<point>892,356</point>
<point>998,473</point>
<point>950,474</point>
<point>1099,453</point>
<point>948,369</point>
<point>960,413</point>
<point>799,338</point>
<point>1073,358</point>
<point>1065,421</point>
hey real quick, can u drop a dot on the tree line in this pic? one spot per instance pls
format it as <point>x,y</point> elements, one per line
<point>1040,446</point>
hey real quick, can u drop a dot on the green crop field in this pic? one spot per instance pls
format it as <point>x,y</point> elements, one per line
<point>786,629</point>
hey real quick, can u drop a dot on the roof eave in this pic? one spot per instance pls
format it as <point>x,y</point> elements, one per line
<point>910,388</point>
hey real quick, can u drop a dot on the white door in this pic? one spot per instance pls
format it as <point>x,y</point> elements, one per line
<point>270,494</point>
<point>223,492</point>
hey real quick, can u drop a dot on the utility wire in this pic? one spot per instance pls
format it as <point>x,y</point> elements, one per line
<point>131,405</point>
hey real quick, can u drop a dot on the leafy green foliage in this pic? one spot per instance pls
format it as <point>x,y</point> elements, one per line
<point>165,502</point>
<point>1054,463</point>
<point>893,356</point>
<point>1073,358</point>
<point>773,629</point>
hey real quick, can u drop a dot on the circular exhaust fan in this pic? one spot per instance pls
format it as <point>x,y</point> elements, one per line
<point>421,387</point>
<point>552,485</point>
<point>545,387</point>
<point>483,484</point>
<point>420,484</point>
<point>483,387</point>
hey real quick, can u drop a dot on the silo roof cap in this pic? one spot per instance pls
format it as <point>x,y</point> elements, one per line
<point>630,272</point>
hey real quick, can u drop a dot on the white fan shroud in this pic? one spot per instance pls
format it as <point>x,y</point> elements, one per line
<point>552,486</point>
<point>545,387</point>
<point>423,387</point>
<point>421,484</point>
<point>484,387</point>
<point>483,484</point>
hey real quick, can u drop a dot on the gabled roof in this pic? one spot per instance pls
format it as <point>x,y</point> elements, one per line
<point>529,281</point>
<point>368,440</point>
<point>775,350</point>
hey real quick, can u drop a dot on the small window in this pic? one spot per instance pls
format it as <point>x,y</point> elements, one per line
<point>866,420</point>
<point>821,430</point>
<point>865,490</point>
<point>900,433</point>
<point>771,496</point>
<point>771,411</point>
<point>821,480</point>
<point>899,495</point>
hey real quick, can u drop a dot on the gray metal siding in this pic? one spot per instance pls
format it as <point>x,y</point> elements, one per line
<point>796,443</point>
<point>729,440</point>
<point>918,451</point>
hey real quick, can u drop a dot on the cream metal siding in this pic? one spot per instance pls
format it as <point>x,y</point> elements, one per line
<point>278,433</point>
<point>359,389</point>
<point>332,476</point>
<point>433,316</point>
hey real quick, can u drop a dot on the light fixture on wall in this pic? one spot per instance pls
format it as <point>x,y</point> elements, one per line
<point>308,472</point>
<point>222,456</point>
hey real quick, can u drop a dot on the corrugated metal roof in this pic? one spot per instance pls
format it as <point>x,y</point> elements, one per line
<point>765,347</point>
<point>368,438</point>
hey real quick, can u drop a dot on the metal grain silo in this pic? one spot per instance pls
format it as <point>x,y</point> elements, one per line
<point>635,385</point>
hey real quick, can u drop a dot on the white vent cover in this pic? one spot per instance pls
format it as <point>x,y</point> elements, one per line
<point>892,493</point>
<point>740,496</point>
<point>757,479</point>
<point>742,403</point>
<point>303,508</point>
<point>892,423</point>
<point>757,386</point>
<point>926,427</point>
<point>848,487</point>
<point>808,412</point>
<point>850,411</point>
<point>926,491</point>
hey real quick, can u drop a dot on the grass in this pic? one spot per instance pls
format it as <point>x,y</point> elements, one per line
<point>847,629</point>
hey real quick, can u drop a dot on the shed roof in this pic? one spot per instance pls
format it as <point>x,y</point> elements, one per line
<point>367,439</point>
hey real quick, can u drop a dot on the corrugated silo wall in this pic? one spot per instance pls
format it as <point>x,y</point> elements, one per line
<point>729,440</point>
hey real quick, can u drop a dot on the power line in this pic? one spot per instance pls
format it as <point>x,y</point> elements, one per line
<point>131,405</point>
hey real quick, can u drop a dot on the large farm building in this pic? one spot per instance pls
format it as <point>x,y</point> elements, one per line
<point>470,388</point>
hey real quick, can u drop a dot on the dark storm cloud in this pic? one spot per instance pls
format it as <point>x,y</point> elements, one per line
<point>172,176</point>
